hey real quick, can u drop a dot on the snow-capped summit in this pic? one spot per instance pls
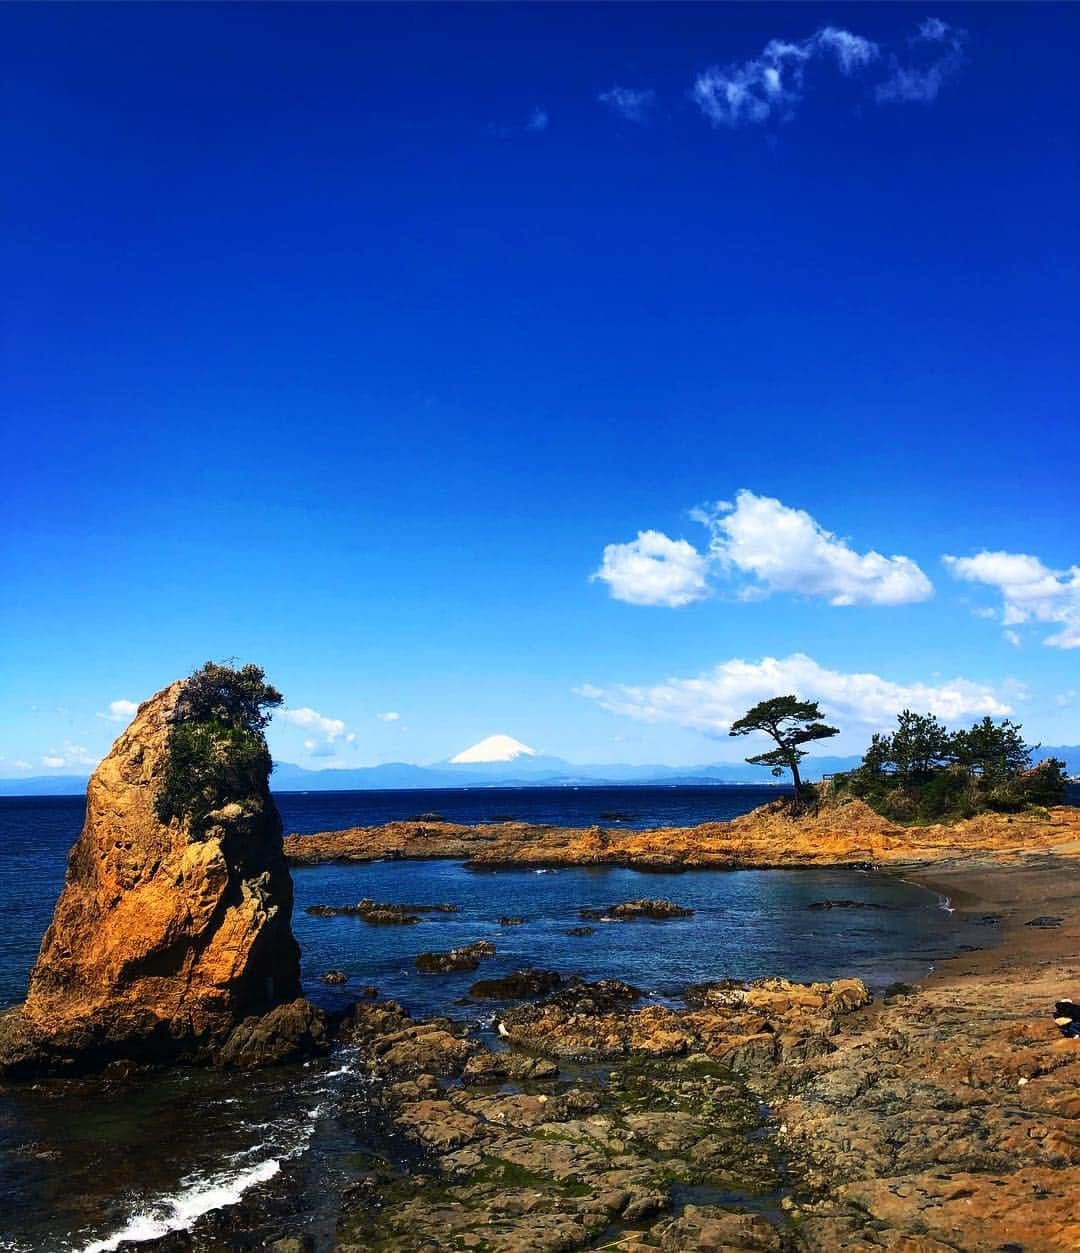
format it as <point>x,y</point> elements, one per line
<point>494,748</point>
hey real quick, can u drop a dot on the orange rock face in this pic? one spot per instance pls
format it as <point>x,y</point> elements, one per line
<point>160,942</point>
<point>768,837</point>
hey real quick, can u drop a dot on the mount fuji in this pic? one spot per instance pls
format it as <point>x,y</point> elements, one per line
<point>494,748</point>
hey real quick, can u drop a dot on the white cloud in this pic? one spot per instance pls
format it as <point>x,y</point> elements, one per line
<point>769,86</point>
<point>1031,591</point>
<point>711,702</point>
<point>939,49</point>
<point>328,729</point>
<point>782,549</point>
<point>654,570</point>
<point>1011,637</point>
<point>22,765</point>
<point>634,104</point>
<point>852,52</point>
<point>786,550</point>
<point>1063,699</point>
<point>389,716</point>
<point>70,755</point>
<point>932,30</point>
<point>535,123</point>
<point>320,748</point>
<point>120,711</point>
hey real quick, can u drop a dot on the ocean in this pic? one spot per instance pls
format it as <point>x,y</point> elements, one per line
<point>84,1165</point>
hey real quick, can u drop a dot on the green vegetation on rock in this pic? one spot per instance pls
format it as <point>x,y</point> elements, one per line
<point>922,772</point>
<point>217,750</point>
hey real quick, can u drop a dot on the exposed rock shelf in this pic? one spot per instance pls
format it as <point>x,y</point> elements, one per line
<point>943,1117</point>
<point>847,834</point>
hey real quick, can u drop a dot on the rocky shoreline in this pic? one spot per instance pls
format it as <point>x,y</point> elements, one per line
<point>773,1116</point>
<point>768,838</point>
<point>583,1115</point>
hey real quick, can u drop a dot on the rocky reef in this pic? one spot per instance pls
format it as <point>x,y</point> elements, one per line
<point>467,957</point>
<point>168,936</point>
<point>848,833</point>
<point>379,914</point>
<point>658,910</point>
<point>937,1118</point>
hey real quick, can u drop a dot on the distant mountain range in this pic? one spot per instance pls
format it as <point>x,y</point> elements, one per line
<point>522,769</point>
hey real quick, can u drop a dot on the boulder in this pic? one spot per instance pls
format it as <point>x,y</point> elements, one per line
<point>496,1068</point>
<point>379,914</point>
<point>658,910</point>
<point>522,985</point>
<point>716,993</point>
<point>467,957</point>
<point>286,1033</point>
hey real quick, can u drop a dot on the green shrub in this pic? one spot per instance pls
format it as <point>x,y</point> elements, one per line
<point>922,774</point>
<point>1044,784</point>
<point>216,749</point>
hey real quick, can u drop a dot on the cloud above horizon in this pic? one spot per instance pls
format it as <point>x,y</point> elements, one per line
<point>712,701</point>
<point>1031,592</point>
<point>655,570</point>
<point>633,103</point>
<point>325,735</point>
<point>70,755</point>
<point>311,720</point>
<point>120,711</point>
<point>938,50</point>
<point>775,547</point>
<point>769,87</point>
<point>536,122</point>
<point>787,550</point>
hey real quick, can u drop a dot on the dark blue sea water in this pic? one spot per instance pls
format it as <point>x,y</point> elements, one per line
<point>36,833</point>
<point>746,923</point>
<point>82,1166</point>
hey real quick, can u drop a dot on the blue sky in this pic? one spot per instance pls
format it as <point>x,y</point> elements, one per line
<point>357,340</point>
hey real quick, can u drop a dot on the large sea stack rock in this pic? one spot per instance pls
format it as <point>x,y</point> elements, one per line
<point>163,939</point>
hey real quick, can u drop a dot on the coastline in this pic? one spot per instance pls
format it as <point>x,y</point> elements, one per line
<point>1040,886</point>
<point>767,838</point>
<point>944,1115</point>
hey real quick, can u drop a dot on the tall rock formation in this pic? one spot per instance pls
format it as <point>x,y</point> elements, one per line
<point>163,938</point>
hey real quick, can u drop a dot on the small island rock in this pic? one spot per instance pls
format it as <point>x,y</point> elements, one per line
<point>165,937</point>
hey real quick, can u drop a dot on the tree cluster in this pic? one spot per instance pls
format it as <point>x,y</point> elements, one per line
<point>923,772</point>
<point>216,750</point>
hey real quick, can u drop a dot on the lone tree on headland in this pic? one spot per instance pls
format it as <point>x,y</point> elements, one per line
<point>791,723</point>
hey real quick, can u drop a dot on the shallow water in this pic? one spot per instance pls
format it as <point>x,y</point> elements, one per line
<point>84,1165</point>
<point>746,923</point>
<point>36,833</point>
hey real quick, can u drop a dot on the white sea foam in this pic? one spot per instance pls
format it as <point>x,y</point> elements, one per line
<point>200,1194</point>
<point>178,1212</point>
